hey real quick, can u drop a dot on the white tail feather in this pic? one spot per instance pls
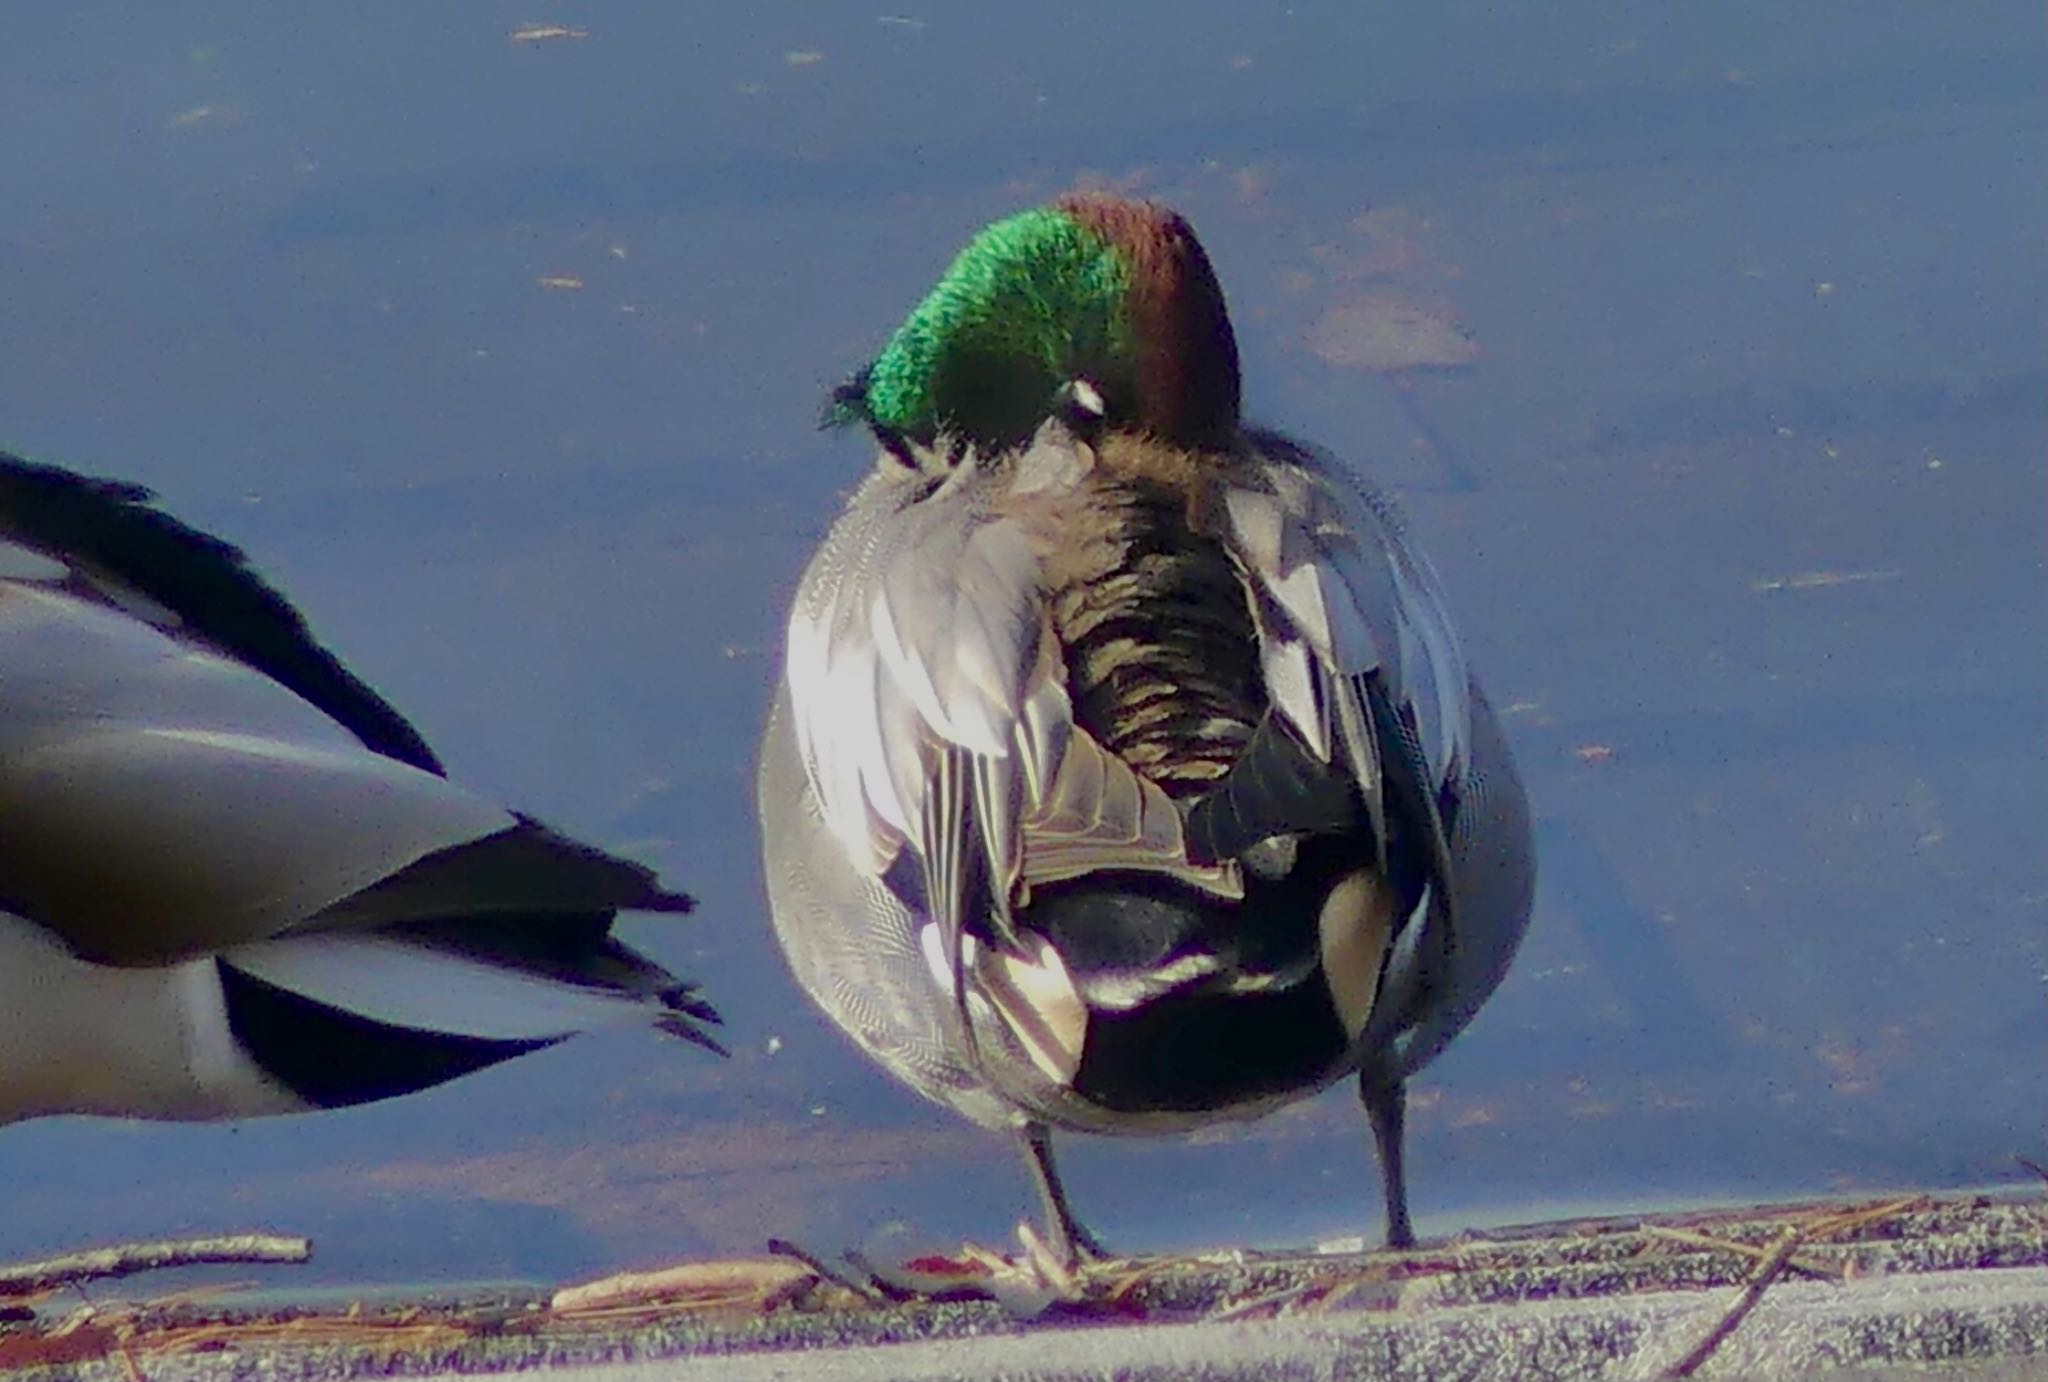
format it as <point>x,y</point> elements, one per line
<point>402,984</point>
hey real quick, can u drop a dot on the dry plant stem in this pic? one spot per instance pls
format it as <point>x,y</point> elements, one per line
<point>126,1259</point>
<point>874,1290</point>
<point>1812,1266</point>
<point>395,1336</point>
<point>1132,1274</point>
<point>1771,1269</point>
<point>1275,1301</point>
<point>1829,1223</point>
<point>689,1286</point>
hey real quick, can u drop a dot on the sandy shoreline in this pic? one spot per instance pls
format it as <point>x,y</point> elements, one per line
<point>1871,1287</point>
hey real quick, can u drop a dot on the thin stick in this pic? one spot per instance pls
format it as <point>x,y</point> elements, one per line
<point>1827,1224</point>
<point>1810,1265</point>
<point>1275,1300</point>
<point>126,1259</point>
<point>874,1290</point>
<point>1771,1269</point>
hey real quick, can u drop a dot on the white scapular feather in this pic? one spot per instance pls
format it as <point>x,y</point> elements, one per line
<point>19,563</point>
<point>403,984</point>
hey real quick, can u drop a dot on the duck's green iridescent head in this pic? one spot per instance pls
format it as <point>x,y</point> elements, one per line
<point>1115,292</point>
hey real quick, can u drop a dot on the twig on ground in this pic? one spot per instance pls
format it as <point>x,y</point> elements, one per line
<point>1812,1266</point>
<point>874,1290</point>
<point>1299,1293</point>
<point>1828,1223</point>
<point>1767,1272</point>
<point>756,1283</point>
<point>126,1259</point>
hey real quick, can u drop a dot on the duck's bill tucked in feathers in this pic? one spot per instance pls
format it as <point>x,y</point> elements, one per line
<point>196,793</point>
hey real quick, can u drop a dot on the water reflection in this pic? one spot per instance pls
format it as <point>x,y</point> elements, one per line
<point>1737,495</point>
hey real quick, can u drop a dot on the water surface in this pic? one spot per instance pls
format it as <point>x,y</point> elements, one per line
<point>1704,346</point>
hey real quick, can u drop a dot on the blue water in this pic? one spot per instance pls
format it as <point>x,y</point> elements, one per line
<point>1736,480</point>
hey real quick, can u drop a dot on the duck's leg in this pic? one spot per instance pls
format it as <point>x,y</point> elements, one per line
<point>1065,1234</point>
<point>1386,1108</point>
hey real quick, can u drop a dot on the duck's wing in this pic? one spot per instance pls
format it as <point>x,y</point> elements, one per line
<point>1361,660</point>
<point>929,713</point>
<point>184,771</point>
<point>1493,868</point>
<point>118,550</point>
<point>910,655</point>
<point>853,943</point>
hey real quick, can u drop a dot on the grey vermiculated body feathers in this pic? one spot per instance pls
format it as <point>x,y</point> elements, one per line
<point>1126,774</point>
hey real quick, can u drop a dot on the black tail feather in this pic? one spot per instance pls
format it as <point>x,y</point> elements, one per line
<point>332,1058</point>
<point>528,869</point>
<point>1276,787</point>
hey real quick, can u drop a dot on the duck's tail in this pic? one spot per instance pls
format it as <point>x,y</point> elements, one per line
<point>471,955</point>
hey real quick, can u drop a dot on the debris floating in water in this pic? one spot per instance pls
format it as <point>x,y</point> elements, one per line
<point>1383,334</point>
<point>546,33</point>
